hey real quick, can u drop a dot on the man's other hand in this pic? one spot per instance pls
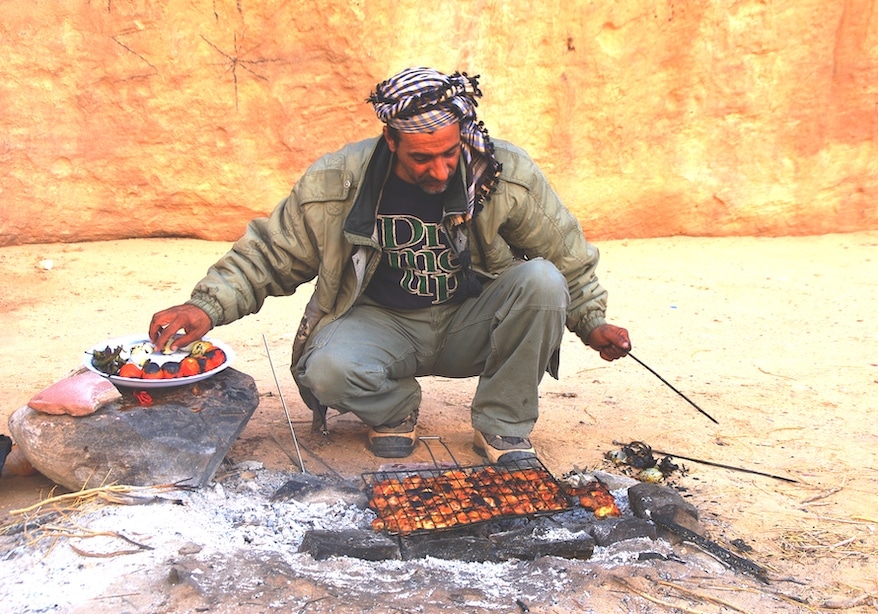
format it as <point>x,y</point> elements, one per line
<point>611,341</point>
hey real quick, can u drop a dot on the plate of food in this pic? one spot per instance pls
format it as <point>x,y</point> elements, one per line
<point>134,362</point>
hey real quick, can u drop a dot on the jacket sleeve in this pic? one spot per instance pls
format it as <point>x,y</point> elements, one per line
<point>275,256</point>
<point>537,224</point>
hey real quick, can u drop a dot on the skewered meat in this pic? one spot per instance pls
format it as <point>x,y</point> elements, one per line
<point>451,498</point>
<point>595,497</point>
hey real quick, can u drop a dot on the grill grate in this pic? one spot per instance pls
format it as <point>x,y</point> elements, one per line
<point>429,500</point>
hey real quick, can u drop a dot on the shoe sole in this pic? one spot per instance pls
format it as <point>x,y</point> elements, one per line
<point>510,456</point>
<point>391,446</point>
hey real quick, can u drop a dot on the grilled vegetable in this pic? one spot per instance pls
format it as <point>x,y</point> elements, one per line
<point>213,358</point>
<point>200,348</point>
<point>130,370</point>
<point>108,360</point>
<point>189,366</point>
<point>170,370</point>
<point>152,370</point>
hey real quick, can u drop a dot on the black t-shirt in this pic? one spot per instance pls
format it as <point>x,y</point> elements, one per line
<point>417,268</point>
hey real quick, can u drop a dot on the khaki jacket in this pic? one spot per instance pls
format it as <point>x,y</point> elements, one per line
<point>325,230</point>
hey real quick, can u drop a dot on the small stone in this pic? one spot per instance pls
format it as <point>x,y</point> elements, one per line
<point>174,576</point>
<point>657,502</point>
<point>647,499</point>
<point>189,548</point>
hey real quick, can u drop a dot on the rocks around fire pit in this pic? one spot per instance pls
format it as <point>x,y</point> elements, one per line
<point>660,503</point>
<point>172,435</point>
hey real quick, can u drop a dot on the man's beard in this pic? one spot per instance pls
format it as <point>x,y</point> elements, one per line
<point>433,187</point>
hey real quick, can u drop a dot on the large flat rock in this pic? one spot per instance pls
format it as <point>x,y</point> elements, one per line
<point>167,436</point>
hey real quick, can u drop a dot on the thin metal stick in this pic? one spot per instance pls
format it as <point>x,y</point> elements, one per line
<point>284,404</point>
<point>732,467</point>
<point>426,438</point>
<point>666,383</point>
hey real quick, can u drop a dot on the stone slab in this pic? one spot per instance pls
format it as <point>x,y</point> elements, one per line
<point>159,436</point>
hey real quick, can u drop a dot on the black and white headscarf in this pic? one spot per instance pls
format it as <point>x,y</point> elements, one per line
<point>419,100</point>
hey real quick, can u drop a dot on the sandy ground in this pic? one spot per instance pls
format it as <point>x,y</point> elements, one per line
<point>776,338</point>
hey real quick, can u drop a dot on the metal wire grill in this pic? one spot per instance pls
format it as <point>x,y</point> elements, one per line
<point>429,500</point>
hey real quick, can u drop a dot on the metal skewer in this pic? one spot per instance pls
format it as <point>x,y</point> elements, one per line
<point>666,383</point>
<point>284,404</point>
<point>731,467</point>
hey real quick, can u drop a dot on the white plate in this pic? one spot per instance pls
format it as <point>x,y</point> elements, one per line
<point>159,358</point>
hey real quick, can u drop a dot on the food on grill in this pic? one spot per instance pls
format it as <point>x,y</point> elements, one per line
<point>408,503</point>
<point>596,498</point>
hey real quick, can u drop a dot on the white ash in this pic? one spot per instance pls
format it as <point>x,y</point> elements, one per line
<point>234,519</point>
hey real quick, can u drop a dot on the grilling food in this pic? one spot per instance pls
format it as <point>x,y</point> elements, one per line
<point>456,497</point>
<point>596,498</point>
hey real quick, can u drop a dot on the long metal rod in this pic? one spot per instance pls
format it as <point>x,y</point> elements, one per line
<point>720,465</point>
<point>426,438</point>
<point>666,383</point>
<point>284,404</point>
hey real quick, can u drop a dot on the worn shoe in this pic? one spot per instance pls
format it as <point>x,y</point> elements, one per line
<point>394,440</point>
<point>499,449</point>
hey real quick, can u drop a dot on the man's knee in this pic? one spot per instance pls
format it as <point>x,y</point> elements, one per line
<point>325,373</point>
<point>544,281</point>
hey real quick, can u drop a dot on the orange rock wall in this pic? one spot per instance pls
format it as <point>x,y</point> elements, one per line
<point>130,118</point>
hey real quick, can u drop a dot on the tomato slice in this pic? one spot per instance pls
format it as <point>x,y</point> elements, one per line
<point>213,358</point>
<point>189,366</point>
<point>130,370</point>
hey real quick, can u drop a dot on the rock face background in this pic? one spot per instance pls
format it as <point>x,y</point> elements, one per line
<point>129,118</point>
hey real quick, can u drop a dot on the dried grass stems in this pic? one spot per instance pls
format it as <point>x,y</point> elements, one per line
<point>57,516</point>
<point>826,542</point>
<point>839,538</point>
<point>677,597</point>
<point>696,597</point>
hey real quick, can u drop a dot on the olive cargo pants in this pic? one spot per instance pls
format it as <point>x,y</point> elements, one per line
<point>367,361</point>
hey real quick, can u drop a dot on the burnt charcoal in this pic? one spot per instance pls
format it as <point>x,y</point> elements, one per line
<point>508,524</point>
<point>658,556</point>
<point>671,515</point>
<point>5,449</point>
<point>530,544</point>
<point>448,546</point>
<point>617,530</point>
<point>365,545</point>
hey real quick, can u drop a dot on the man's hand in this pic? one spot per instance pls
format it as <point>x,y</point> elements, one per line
<point>194,322</point>
<point>611,341</point>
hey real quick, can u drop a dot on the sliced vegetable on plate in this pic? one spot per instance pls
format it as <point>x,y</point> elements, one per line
<point>134,362</point>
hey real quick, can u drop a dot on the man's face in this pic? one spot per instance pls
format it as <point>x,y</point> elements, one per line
<point>427,160</point>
